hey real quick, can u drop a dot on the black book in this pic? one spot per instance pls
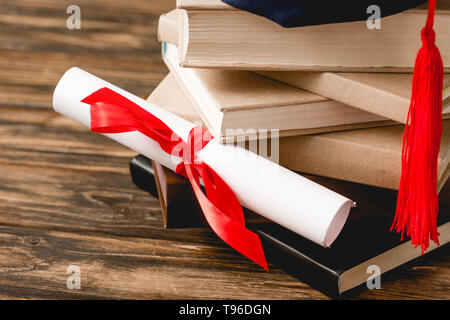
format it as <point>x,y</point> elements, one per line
<point>364,247</point>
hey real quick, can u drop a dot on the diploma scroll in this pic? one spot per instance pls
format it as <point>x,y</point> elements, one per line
<point>280,195</point>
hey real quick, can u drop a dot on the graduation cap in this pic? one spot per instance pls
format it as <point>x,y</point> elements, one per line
<point>417,204</point>
<point>300,13</point>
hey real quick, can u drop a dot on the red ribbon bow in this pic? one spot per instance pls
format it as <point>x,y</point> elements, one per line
<point>113,113</point>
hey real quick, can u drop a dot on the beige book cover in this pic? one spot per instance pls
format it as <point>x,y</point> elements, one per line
<point>213,35</point>
<point>170,96</point>
<point>234,102</point>
<point>203,5</point>
<point>387,95</point>
<point>368,156</point>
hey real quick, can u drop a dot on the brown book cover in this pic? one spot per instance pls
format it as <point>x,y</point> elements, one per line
<point>368,156</point>
<point>387,95</point>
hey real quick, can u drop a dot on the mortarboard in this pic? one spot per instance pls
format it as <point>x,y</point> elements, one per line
<point>300,13</point>
<point>417,204</point>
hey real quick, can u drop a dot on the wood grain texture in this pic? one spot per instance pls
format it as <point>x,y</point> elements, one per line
<point>66,197</point>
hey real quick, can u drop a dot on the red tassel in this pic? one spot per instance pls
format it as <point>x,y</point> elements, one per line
<point>417,205</point>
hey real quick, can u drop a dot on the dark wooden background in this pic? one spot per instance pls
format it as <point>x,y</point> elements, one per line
<point>66,197</point>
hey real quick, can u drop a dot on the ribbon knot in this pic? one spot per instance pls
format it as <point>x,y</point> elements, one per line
<point>198,138</point>
<point>113,113</point>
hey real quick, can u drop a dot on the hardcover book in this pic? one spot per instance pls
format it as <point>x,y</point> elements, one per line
<point>339,271</point>
<point>214,35</point>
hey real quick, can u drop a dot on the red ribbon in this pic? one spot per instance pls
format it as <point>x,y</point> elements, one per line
<point>113,113</point>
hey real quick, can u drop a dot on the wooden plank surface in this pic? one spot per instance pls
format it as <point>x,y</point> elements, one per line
<point>66,197</point>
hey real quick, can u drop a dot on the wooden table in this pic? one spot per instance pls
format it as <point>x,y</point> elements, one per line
<point>66,197</point>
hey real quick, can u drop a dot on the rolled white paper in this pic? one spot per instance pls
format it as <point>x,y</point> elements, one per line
<point>276,193</point>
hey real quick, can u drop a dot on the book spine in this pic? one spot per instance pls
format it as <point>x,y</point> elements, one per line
<point>182,213</point>
<point>142,174</point>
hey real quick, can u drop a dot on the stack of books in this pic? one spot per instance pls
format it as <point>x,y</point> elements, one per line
<point>335,100</point>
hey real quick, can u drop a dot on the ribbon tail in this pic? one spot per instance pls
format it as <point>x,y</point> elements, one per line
<point>114,113</point>
<point>233,233</point>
